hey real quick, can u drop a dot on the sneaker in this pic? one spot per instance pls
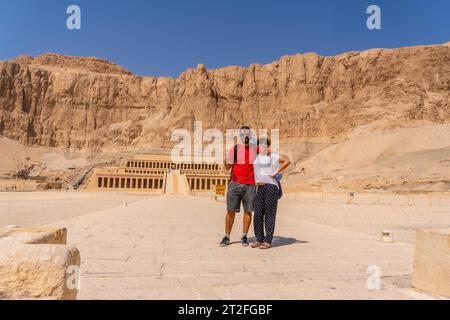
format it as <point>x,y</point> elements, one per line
<point>225,242</point>
<point>244,241</point>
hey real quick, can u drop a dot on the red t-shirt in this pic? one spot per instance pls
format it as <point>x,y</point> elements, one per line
<point>243,169</point>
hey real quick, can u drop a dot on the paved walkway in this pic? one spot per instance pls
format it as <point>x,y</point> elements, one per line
<point>167,248</point>
<point>29,209</point>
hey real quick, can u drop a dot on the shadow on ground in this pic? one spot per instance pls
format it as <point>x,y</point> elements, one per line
<point>281,241</point>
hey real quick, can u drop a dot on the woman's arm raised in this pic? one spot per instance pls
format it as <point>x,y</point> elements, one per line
<point>284,163</point>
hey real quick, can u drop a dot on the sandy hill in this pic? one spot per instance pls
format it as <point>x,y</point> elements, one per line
<point>395,160</point>
<point>346,107</point>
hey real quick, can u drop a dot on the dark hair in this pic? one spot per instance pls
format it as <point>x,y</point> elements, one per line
<point>264,141</point>
<point>245,128</point>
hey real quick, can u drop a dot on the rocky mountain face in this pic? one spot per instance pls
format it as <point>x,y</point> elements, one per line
<point>59,101</point>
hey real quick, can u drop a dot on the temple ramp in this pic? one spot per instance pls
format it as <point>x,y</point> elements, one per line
<point>176,183</point>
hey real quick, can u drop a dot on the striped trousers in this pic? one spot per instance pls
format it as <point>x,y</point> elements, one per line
<point>265,212</point>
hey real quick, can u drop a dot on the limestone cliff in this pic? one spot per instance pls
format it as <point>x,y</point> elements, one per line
<point>54,100</point>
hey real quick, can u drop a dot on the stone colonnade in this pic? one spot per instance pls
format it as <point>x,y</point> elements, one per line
<point>150,175</point>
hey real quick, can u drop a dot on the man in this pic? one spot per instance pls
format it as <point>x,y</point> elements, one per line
<point>241,188</point>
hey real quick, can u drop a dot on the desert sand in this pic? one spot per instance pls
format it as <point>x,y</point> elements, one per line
<point>166,247</point>
<point>398,160</point>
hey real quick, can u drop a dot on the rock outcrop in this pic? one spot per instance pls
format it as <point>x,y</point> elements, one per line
<point>59,101</point>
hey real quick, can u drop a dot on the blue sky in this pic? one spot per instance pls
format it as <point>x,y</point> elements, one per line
<point>166,37</point>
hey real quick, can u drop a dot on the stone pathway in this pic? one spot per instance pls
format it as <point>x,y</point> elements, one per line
<point>166,247</point>
<point>30,209</point>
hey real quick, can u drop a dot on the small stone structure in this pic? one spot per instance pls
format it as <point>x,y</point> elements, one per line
<point>432,261</point>
<point>149,174</point>
<point>36,263</point>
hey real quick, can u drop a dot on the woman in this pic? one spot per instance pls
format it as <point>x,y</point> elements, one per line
<point>267,166</point>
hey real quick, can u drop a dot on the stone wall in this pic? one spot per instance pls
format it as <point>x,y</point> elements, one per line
<point>432,261</point>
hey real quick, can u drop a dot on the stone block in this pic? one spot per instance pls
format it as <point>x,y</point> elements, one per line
<point>35,263</point>
<point>432,261</point>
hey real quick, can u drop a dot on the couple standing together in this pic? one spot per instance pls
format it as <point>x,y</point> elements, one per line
<point>255,182</point>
